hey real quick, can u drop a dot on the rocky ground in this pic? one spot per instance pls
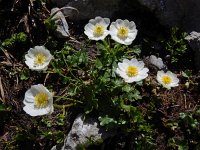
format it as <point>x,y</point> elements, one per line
<point>173,114</point>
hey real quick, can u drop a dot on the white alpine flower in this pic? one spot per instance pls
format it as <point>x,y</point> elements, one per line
<point>167,79</point>
<point>96,29</point>
<point>38,58</point>
<point>132,70</point>
<point>156,61</point>
<point>123,31</point>
<point>38,101</point>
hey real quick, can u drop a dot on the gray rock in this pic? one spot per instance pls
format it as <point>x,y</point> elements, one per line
<point>194,41</point>
<point>83,131</point>
<point>88,9</point>
<point>155,61</point>
<point>54,148</point>
<point>62,30</point>
<point>181,13</point>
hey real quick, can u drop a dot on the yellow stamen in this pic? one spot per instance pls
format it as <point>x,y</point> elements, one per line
<point>132,71</point>
<point>40,59</point>
<point>98,30</point>
<point>41,100</point>
<point>166,79</point>
<point>122,32</point>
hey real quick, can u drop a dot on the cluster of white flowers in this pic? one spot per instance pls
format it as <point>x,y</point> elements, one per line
<point>38,100</point>
<point>122,31</point>
<point>134,70</point>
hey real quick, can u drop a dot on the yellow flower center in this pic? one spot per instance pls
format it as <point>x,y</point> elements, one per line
<point>98,30</point>
<point>41,100</point>
<point>166,79</point>
<point>132,71</point>
<point>40,59</point>
<point>122,32</point>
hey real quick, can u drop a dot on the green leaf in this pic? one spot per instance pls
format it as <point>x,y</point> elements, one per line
<point>137,49</point>
<point>24,74</point>
<point>182,115</point>
<point>128,108</point>
<point>50,24</point>
<point>127,88</point>
<point>183,147</point>
<point>105,120</point>
<point>98,64</point>
<point>2,107</point>
<point>137,95</point>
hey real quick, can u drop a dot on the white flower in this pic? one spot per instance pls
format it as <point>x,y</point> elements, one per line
<point>38,58</point>
<point>132,70</point>
<point>96,29</point>
<point>156,61</point>
<point>38,101</point>
<point>123,31</point>
<point>167,79</point>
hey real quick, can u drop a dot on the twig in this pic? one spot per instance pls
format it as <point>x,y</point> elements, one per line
<point>185,101</point>
<point>46,77</point>
<point>2,92</point>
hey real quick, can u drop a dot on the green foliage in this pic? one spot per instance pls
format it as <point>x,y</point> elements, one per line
<point>15,38</point>
<point>179,144</point>
<point>45,129</point>
<point>24,74</point>
<point>4,108</point>
<point>188,121</point>
<point>50,23</point>
<point>93,82</point>
<point>176,44</point>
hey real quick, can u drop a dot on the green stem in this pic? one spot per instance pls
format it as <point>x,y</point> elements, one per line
<point>66,98</point>
<point>63,106</point>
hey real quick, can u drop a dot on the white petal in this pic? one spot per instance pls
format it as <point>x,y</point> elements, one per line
<point>40,48</point>
<point>115,38</point>
<point>92,22</point>
<point>174,84</point>
<point>98,19</point>
<point>88,33</point>
<point>27,103</point>
<point>132,36</point>
<point>29,95</point>
<point>121,73</point>
<point>139,77</point>
<point>31,110</point>
<point>129,80</point>
<point>132,25</point>
<point>126,23</point>
<point>126,61</point>
<point>143,72</point>
<point>113,30</point>
<point>138,64</point>
<point>133,79</point>
<point>127,42</point>
<point>106,22</point>
<point>118,23</point>
<point>30,54</point>
<point>89,27</point>
<point>29,62</point>
<point>160,73</point>
<point>123,66</point>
